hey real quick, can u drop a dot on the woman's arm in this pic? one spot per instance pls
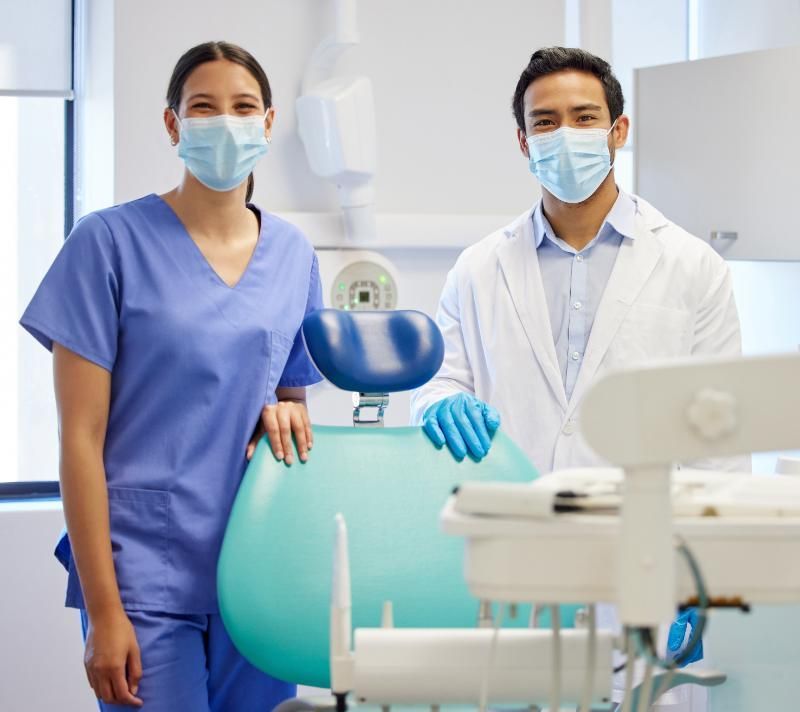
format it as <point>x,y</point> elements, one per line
<point>82,396</point>
<point>279,422</point>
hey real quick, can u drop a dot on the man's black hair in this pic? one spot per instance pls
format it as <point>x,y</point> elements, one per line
<point>549,60</point>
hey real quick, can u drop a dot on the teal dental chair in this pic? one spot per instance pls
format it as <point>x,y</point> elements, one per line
<point>274,575</point>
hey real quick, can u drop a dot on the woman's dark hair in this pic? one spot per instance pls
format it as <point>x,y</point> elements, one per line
<point>210,52</point>
<point>558,59</point>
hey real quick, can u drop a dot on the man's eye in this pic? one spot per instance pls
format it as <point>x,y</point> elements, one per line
<point>245,107</point>
<point>587,117</point>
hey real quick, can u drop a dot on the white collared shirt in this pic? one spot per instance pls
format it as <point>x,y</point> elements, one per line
<point>574,281</point>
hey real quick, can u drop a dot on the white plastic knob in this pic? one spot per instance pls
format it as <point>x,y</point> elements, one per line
<point>713,414</point>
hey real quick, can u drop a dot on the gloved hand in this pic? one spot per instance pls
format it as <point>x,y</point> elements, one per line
<point>462,421</point>
<point>677,634</point>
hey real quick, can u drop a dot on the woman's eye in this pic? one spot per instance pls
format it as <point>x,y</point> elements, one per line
<point>542,122</point>
<point>201,105</point>
<point>246,107</point>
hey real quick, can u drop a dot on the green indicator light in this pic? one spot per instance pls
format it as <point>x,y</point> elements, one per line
<point>347,307</point>
<point>382,279</point>
<point>342,286</point>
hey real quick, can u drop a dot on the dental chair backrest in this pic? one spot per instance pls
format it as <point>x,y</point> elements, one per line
<point>274,575</point>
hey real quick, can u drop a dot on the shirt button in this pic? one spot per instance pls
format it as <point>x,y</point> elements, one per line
<point>577,305</point>
<point>579,258</point>
<point>569,428</point>
<point>575,356</point>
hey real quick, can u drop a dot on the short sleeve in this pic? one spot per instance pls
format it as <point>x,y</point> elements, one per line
<point>299,370</point>
<point>77,303</point>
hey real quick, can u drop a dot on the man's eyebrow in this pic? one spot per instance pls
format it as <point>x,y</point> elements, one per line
<point>541,112</point>
<point>587,107</point>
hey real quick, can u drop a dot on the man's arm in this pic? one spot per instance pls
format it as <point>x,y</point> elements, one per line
<point>446,406</point>
<point>717,333</point>
<point>455,375</point>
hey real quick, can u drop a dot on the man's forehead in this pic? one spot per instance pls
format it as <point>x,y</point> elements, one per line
<point>569,86</point>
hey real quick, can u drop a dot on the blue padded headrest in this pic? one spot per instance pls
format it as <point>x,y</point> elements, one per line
<point>374,351</point>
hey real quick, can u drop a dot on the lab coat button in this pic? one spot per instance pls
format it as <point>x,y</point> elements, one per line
<point>569,428</point>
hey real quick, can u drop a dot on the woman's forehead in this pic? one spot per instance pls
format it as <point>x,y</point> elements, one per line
<point>221,77</point>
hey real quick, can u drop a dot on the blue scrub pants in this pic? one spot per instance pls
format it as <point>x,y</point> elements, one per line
<point>190,664</point>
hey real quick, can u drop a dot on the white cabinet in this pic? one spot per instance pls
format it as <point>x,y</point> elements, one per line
<point>718,150</point>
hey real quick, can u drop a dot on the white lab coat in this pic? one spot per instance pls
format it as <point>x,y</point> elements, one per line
<point>669,295</point>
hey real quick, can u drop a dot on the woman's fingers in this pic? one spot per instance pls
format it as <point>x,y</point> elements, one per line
<point>285,428</point>
<point>119,687</point>
<point>104,690</point>
<point>307,425</point>
<point>257,435</point>
<point>299,430</point>
<point>269,417</point>
<point>134,668</point>
<point>112,660</point>
<point>282,422</point>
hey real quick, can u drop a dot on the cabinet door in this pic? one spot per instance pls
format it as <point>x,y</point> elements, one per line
<point>718,150</point>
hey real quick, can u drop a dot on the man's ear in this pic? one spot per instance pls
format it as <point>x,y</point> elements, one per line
<point>523,143</point>
<point>620,131</point>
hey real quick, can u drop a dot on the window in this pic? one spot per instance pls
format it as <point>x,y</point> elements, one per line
<point>36,209</point>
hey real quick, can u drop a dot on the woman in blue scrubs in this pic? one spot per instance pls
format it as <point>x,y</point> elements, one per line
<point>174,323</point>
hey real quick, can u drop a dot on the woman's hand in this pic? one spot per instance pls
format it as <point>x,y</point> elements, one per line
<point>279,422</point>
<point>112,659</point>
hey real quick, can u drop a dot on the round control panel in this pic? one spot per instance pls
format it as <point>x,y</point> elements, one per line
<point>363,285</point>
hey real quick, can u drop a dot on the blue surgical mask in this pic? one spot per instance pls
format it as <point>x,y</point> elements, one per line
<point>221,151</point>
<point>570,163</point>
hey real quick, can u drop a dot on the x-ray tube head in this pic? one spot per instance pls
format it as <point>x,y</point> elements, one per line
<point>336,120</point>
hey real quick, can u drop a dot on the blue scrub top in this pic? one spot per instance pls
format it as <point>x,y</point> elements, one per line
<point>192,361</point>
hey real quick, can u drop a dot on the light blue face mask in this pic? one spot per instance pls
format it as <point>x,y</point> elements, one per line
<point>221,151</point>
<point>570,163</point>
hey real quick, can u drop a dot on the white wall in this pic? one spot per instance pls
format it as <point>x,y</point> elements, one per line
<point>732,26</point>
<point>41,653</point>
<point>443,77</point>
<point>645,34</point>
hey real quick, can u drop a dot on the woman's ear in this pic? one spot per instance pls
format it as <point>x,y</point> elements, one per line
<point>269,120</point>
<point>171,123</point>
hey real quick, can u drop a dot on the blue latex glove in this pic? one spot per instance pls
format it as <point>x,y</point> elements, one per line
<point>677,634</point>
<point>462,421</point>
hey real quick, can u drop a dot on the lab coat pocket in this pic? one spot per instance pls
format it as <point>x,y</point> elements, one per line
<point>140,544</point>
<point>650,332</point>
<point>280,346</point>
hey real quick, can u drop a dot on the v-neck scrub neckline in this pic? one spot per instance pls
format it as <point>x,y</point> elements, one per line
<point>198,253</point>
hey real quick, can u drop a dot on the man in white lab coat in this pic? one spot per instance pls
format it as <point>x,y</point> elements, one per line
<point>589,279</point>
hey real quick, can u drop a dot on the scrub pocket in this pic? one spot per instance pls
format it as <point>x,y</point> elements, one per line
<point>279,348</point>
<point>140,544</point>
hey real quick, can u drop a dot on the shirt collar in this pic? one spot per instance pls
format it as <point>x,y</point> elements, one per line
<point>621,219</point>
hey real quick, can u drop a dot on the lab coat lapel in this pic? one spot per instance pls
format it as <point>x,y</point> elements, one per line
<point>635,263</point>
<point>520,264</point>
